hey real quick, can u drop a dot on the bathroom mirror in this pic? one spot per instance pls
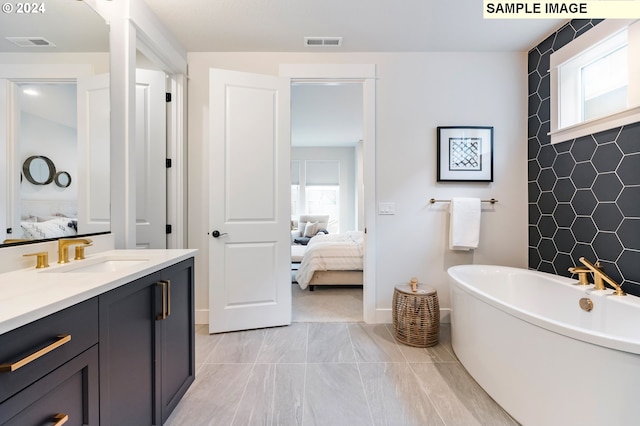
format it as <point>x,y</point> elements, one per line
<point>46,49</point>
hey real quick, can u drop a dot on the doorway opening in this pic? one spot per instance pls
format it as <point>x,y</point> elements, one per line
<point>327,190</point>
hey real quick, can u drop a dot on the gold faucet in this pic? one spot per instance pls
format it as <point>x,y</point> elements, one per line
<point>582,272</point>
<point>63,247</point>
<point>599,276</point>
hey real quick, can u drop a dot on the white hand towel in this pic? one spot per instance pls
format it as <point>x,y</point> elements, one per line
<point>464,232</point>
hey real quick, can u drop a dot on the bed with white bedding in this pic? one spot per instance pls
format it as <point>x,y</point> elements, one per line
<point>44,219</point>
<point>332,259</point>
<point>39,228</point>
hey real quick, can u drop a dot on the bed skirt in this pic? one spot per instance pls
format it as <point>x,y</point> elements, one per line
<point>336,278</point>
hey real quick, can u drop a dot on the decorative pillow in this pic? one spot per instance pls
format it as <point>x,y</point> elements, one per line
<point>303,240</point>
<point>310,229</point>
<point>322,230</point>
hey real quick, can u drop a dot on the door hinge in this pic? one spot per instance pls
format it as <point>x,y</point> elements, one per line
<point>168,229</point>
<point>168,163</point>
<point>167,97</point>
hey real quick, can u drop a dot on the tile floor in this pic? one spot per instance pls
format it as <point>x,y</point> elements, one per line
<point>330,374</point>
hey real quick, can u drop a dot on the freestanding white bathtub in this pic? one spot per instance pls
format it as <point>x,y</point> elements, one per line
<point>525,339</point>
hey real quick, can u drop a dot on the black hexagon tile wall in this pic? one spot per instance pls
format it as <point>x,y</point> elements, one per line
<point>584,194</point>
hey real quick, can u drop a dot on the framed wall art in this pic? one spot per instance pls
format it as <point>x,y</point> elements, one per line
<point>465,154</point>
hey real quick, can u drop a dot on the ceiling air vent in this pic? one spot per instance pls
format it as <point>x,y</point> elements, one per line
<point>30,41</point>
<point>323,41</point>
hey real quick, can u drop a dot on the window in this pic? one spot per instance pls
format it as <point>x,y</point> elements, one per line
<point>315,189</point>
<point>604,84</point>
<point>324,200</point>
<point>295,199</point>
<point>592,88</point>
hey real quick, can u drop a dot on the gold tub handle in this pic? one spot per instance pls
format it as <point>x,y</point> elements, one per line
<point>13,366</point>
<point>60,419</point>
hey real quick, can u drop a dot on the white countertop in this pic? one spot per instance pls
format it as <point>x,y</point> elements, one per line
<point>29,294</point>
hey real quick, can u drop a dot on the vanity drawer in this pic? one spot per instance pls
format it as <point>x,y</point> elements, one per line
<point>38,348</point>
<point>69,392</point>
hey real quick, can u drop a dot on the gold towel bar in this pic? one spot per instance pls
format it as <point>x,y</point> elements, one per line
<point>433,200</point>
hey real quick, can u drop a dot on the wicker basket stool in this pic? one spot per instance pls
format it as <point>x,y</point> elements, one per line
<point>416,316</point>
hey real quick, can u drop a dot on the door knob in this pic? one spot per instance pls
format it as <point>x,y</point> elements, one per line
<point>216,234</point>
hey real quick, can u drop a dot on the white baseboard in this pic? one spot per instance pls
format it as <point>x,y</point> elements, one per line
<point>445,315</point>
<point>202,316</point>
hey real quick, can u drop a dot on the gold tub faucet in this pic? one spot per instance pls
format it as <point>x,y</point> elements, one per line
<point>582,272</point>
<point>63,247</point>
<point>599,276</point>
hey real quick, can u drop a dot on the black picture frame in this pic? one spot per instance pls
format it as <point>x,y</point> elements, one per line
<point>465,154</point>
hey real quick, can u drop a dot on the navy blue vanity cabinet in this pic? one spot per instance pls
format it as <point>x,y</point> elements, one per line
<point>49,369</point>
<point>177,336</point>
<point>147,344</point>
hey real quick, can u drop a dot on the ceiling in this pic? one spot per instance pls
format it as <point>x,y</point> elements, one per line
<point>53,101</point>
<point>72,26</point>
<point>365,25</point>
<point>281,25</point>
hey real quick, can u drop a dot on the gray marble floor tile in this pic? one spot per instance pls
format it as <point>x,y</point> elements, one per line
<point>285,344</point>
<point>457,397</point>
<point>213,397</point>
<point>237,347</point>
<point>374,343</point>
<point>329,342</point>
<point>205,343</point>
<point>334,396</point>
<point>437,353</point>
<point>396,397</point>
<point>273,396</point>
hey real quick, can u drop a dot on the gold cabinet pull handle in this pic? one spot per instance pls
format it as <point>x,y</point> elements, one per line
<point>13,366</point>
<point>163,315</point>
<point>60,419</point>
<point>166,299</point>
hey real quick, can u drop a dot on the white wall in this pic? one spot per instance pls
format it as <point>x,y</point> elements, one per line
<point>39,136</point>
<point>416,92</point>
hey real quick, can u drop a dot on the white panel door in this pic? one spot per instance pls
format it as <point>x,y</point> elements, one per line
<point>249,187</point>
<point>94,209</point>
<point>151,156</point>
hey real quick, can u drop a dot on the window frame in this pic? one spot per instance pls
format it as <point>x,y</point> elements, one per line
<point>586,41</point>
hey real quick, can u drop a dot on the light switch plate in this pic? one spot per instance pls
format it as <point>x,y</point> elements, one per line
<point>386,208</point>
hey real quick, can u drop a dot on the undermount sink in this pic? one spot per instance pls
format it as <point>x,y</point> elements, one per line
<point>107,264</point>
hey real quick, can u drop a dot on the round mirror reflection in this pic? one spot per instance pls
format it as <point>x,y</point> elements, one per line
<point>62,179</point>
<point>39,170</point>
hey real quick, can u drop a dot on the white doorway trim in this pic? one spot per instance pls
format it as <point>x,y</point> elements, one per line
<point>366,74</point>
